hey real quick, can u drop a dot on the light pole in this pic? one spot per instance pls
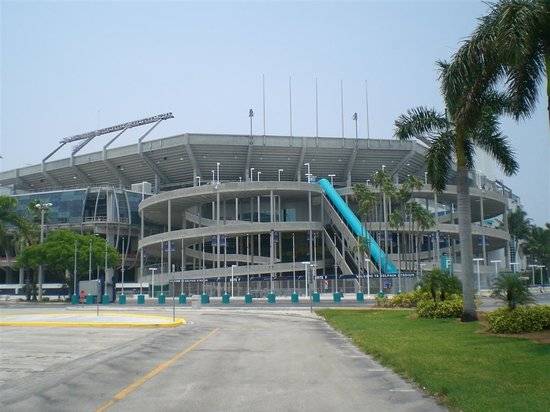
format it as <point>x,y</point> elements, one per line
<point>259,173</point>
<point>251,174</point>
<point>421,266</point>
<point>123,263</point>
<point>218,172</point>
<point>199,179</point>
<point>74,271</point>
<point>354,117</point>
<point>368,262</point>
<point>90,260</point>
<point>250,115</point>
<point>533,273</point>
<point>153,270</point>
<point>232,278</point>
<point>477,260</point>
<point>541,278</point>
<point>332,176</point>
<point>213,176</point>
<point>513,266</point>
<point>496,262</point>
<point>43,207</point>
<point>308,175</point>
<point>247,264</point>
<point>279,174</point>
<point>306,264</point>
<point>294,262</point>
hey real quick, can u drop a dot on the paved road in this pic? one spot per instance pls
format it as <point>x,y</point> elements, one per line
<point>222,360</point>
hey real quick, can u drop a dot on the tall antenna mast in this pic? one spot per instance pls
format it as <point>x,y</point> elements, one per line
<point>263,99</point>
<point>367,107</point>
<point>316,110</point>
<point>290,101</point>
<point>342,104</point>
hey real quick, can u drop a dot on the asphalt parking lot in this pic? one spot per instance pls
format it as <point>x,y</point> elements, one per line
<point>223,359</point>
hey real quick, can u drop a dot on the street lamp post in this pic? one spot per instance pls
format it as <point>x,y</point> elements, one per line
<point>153,270</point>
<point>496,262</point>
<point>294,262</point>
<point>354,117</point>
<point>533,273</point>
<point>306,264</point>
<point>332,176</point>
<point>90,260</point>
<point>513,266</point>
<point>541,278</point>
<point>251,174</point>
<point>43,207</point>
<point>218,172</point>
<point>259,173</point>
<point>477,260</point>
<point>74,270</point>
<point>232,278</point>
<point>199,179</point>
<point>123,263</point>
<point>368,262</point>
<point>279,174</point>
<point>213,176</point>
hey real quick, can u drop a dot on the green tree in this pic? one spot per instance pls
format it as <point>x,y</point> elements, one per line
<point>58,253</point>
<point>458,138</point>
<point>519,227</point>
<point>537,245</point>
<point>512,289</point>
<point>509,49</point>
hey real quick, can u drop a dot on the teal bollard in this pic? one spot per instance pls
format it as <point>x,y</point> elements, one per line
<point>90,299</point>
<point>316,297</point>
<point>271,297</point>
<point>74,299</point>
<point>205,299</point>
<point>105,300</point>
<point>248,298</point>
<point>381,294</point>
<point>122,299</point>
<point>294,298</point>
<point>360,297</point>
<point>336,297</point>
<point>225,298</point>
<point>141,300</point>
<point>162,299</point>
<point>183,299</point>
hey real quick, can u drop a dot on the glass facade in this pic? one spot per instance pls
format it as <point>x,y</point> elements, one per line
<point>67,205</point>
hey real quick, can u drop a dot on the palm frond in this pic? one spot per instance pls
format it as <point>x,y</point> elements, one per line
<point>438,159</point>
<point>420,122</point>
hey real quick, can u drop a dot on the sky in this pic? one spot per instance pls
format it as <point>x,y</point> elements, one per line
<point>72,67</point>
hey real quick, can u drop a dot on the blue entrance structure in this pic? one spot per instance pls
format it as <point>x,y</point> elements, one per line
<point>377,254</point>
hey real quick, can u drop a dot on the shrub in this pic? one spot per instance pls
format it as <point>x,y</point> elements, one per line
<point>519,320</point>
<point>512,289</point>
<point>45,299</point>
<point>450,308</point>
<point>382,302</point>
<point>408,300</point>
<point>440,285</point>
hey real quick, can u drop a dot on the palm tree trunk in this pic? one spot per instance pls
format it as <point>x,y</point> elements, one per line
<point>465,233</point>
<point>547,63</point>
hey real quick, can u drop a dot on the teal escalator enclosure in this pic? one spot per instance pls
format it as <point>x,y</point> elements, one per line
<point>376,253</point>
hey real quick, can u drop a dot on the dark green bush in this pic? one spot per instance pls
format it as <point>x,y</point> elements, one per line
<point>512,289</point>
<point>450,308</point>
<point>382,302</point>
<point>519,320</point>
<point>440,285</point>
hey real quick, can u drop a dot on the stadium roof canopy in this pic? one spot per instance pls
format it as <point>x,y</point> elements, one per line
<point>174,161</point>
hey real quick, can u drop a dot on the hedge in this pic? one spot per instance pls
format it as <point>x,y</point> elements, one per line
<point>519,320</point>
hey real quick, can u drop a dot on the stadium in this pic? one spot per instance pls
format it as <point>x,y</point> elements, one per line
<point>209,213</point>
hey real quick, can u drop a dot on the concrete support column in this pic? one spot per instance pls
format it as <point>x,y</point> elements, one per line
<point>481,222</point>
<point>218,224</point>
<point>310,221</point>
<point>21,276</point>
<point>169,242</point>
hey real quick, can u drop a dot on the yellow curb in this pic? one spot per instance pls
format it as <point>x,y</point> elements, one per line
<point>61,324</point>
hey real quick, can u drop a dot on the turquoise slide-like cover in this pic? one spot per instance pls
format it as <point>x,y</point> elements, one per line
<point>377,254</point>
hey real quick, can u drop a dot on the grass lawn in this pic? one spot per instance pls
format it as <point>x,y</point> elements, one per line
<point>469,370</point>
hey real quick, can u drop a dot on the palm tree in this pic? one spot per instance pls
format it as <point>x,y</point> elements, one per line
<point>537,244</point>
<point>513,290</point>
<point>510,47</point>
<point>519,227</point>
<point>448,138</point>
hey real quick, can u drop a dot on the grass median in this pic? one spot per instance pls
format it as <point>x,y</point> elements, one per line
<point>468,370</point>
